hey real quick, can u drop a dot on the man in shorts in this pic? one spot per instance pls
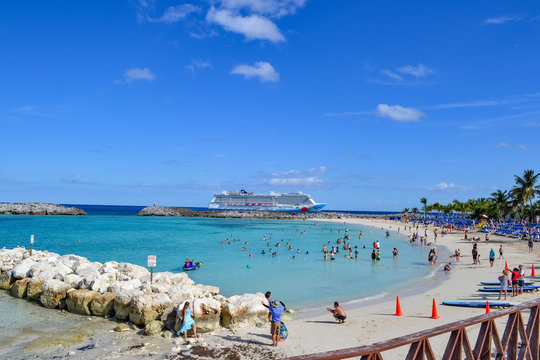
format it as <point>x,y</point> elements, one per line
<point>276,308</point>
<point>339,313</point>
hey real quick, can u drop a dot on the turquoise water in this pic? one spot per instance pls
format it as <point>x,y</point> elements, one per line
<point>301,283</point>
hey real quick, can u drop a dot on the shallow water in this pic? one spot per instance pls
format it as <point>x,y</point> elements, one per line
<point>301,283</point>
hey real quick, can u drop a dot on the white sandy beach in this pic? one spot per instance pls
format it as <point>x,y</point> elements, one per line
<point>316,331</point>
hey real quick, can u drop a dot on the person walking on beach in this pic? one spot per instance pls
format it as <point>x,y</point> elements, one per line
<point>501,252</point>
<point>491,257</point>
<point>338,312</point>
<point>515,277</point>
<point>521,279</point>
<point>503,279</point>
<point>187,321</point>
<point>276,309</point>
<point>474,253</point>
<point>531,244</point>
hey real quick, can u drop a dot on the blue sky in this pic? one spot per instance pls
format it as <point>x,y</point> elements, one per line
<point>364,105</point>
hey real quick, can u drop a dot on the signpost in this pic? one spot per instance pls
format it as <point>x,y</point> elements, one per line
<point>151,265</point>
<point>31,243</point>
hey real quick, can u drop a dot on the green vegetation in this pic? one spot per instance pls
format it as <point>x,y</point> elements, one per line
<point>516,203</point>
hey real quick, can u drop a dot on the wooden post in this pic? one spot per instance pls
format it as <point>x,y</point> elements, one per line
<point>151,265</point>
<point>31,243</point>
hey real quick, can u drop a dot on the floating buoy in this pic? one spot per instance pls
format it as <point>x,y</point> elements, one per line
<point>79,240</point>
<point>248,266</point>
<point>250,254</point>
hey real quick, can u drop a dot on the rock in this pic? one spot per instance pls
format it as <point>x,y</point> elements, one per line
<point>34,289</point>
<point>168,334</point>
<point>243,310</point>
<point>38,209</point>
<point>134,271</point>
<point>22,270</point>
<point>18,288</point>
<point>43,270</point>
<point>6,279</point>
<point>200,291</point>
<point>108,267</point>
<point>153,327</point>
<point>146,308</point>
<point>103,305</point>
<point>78,301</point>
<point>160,288</point>
<point>134,327</point>
<point>169,317</point>
<point>88,278</point>
<point>62,271</point>
<point>100,285</point>
<point>121,305</point>
<point>180,292</point>
<point>73,280</point>
<point>121,327</point>
<point>54,293</point>
<point>207,314</point>
<point>125,286</point>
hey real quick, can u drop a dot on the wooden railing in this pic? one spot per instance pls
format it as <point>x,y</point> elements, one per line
<point>519,341</point>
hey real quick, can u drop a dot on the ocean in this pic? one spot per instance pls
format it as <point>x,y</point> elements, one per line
<point>305,281</point>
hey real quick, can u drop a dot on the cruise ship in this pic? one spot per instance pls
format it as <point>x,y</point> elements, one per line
<point>244,200</point>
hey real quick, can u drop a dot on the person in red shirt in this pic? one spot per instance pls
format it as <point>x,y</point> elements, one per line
<point>515,277</point>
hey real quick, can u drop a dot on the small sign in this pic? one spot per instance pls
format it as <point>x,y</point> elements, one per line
<point>151,261</point>
<point>31,239</point>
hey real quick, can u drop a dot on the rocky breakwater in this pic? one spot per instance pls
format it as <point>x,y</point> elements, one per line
<point>75,284</point>
<point>38,209</point>
<point>234,214</point>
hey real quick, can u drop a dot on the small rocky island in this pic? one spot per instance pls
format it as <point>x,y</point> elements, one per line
<point>235,214</point>
<point>38,209</point>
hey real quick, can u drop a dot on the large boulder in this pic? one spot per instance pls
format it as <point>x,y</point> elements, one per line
<point>78,301</point>
<point>133,271</point>
<point>109,267</point>
<point>54,294</point>
<point>207,314</point>
<point>88,278</point>
<point>23,269</point>
<point>73,280</point>
<point>160,287</point>
<point>201,291</point>
<point>62,271</point>
<point>121,305</point>
<point>103,305</point>
<point>125,286</point>
<point>34,289</point>
<point>43,270</point>
<point>100,285</point>
<point>180,292</point>
<point>154,327</point>
<point>146,308</point>
<point>18,288</point>
<point>6,279</point>
<point>169,317</point>
<point>243,310</point>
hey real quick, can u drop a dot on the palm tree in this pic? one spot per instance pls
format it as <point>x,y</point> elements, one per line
<point>414,210</point>
<point>526,188</point>
<point>501,199</point>
<point>406,210</point>
<point>423,201</point>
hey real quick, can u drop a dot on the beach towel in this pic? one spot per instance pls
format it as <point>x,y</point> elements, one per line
<point>283,332</point>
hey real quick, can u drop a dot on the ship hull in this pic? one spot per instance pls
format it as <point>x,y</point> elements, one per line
<point>310,208</point>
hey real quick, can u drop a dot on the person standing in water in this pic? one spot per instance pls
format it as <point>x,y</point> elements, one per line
<point>395,252</point>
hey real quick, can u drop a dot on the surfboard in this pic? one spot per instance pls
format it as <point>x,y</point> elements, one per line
<point>477,304</point>
<point>498,283</point>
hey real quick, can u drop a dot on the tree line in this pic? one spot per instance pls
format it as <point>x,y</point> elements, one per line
<point>515,203</point>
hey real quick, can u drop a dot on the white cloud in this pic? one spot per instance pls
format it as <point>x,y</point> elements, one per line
<point>294,177</point>
<point>136,74</point>
<point>502,145</point>
<point>392,75</point>
<point>522,147</point>
<point>252,26</point>
<point>198,65</point>
<point>399,113</point>
<point>176,13</point>
<point>443,186</point>
<point>272,8</point>
<point>417,71</point>
<point>357,155</point>
<point>501,20</point>
<point>532,124</point>
<point>262,70</point>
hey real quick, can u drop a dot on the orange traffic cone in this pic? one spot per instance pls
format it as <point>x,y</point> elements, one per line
<point>506,265</point>
<point>434,311</point>
<point>487,307</point>
<point>533,273</point>
<point>398,308</point>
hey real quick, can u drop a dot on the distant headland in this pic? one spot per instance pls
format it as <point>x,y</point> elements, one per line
<point>38,209</point>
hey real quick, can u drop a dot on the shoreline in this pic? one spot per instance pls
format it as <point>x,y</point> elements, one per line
<point>368,321</point>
